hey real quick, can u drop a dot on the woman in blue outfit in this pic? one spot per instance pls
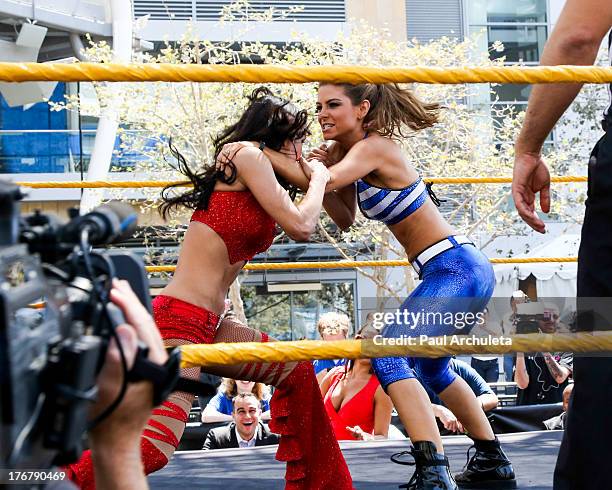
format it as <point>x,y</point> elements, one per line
<point>368,168</point>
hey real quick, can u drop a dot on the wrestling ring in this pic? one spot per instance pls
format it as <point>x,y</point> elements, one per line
<point>533,453</point>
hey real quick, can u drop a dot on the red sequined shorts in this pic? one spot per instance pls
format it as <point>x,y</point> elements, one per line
<point>177,319</point>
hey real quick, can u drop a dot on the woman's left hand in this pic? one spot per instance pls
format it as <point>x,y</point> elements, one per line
<point>359,434</point>
<point>315,167</point>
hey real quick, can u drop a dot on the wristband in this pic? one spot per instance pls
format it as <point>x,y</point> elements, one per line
<point>164,377</point>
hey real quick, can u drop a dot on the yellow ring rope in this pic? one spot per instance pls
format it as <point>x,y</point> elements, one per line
<point>351,264</point>
<point>119,184</point>
<point>302,350</point>
<point>163,72</point>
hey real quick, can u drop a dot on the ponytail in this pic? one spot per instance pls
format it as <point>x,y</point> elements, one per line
<point>393,108</point>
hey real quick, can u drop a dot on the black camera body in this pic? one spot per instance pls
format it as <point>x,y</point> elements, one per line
<point>50,357</point>
<point>528,317</point>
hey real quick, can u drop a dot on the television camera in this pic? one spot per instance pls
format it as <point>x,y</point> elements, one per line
<point>50,357</point>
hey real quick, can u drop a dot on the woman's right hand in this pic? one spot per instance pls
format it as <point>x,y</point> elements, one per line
<point>449,420</point>
<point>322,154</point>
<point>359,434</point>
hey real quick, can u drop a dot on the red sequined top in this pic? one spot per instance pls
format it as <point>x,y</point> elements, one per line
<point>240,221</point>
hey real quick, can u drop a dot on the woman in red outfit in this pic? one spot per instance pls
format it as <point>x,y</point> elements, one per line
<point>235,215</point>
<point>355,402</point>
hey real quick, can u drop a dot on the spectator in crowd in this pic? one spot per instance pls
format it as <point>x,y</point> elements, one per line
<point>356,404</point>
<point>331,326</point>
<point>220,407</point>
<point>486,366</point>
<point>246,430</point>
<point>509,328</point>
<point>558,422</point>
<point>484,394</point>
<point>542,377</point>
<point>551,320</point>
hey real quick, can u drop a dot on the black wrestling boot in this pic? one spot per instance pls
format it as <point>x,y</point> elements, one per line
<point>489,468</point>
<point>432,470</point>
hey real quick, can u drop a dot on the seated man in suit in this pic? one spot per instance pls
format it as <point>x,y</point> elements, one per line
<point>246,430</point>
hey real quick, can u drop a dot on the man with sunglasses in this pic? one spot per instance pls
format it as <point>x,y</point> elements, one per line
<point>542,377</point>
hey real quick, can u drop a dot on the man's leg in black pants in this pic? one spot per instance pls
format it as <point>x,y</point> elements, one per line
<point>587,441</point>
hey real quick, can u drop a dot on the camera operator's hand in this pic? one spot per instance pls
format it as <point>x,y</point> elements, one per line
<point>115,441</point>
<point>139,326</point>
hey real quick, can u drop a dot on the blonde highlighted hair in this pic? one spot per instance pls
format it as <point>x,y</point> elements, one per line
<point>332,323</point>
<point>392,108</point>
<point>229,387</point>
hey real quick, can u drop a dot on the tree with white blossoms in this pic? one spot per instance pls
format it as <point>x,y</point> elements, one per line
<point>468,142</point>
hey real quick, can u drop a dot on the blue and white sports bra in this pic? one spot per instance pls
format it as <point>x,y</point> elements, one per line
<point>388,205</point>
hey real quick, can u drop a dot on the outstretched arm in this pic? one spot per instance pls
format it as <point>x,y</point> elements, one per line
<point>488,401</point>
<point>557,371</point>
<point>358,162</point>
<point>574,41</point>
<point>341,206</point>
<point>383,406</point>
<point>520,371</point>
<point>299,222</point>
<point>326,383</point>
<point>345,170</point>
<point>447,418</point>
<point>210,415</point>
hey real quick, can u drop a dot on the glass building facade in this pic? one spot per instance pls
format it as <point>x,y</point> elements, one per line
<point>36,139</point>
<point>521,26</point>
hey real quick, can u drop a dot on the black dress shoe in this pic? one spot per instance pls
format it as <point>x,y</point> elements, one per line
<point>489,468</point>
<point>431,468</point>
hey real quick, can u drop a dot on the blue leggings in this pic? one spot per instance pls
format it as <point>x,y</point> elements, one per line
<point>455,283</point>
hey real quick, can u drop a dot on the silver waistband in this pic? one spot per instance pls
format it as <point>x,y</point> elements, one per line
<point>436,249</point>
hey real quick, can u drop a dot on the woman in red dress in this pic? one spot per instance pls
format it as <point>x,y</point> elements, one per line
<point>235,216</point>
<point>355,402</point>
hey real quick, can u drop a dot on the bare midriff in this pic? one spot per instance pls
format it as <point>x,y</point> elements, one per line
<point>203,273</point>
<point>421,229</point>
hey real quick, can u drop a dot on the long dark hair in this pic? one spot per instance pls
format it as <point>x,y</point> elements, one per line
<point>268,119</point>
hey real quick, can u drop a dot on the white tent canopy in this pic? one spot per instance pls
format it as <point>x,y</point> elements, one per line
<point>553,279</point>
